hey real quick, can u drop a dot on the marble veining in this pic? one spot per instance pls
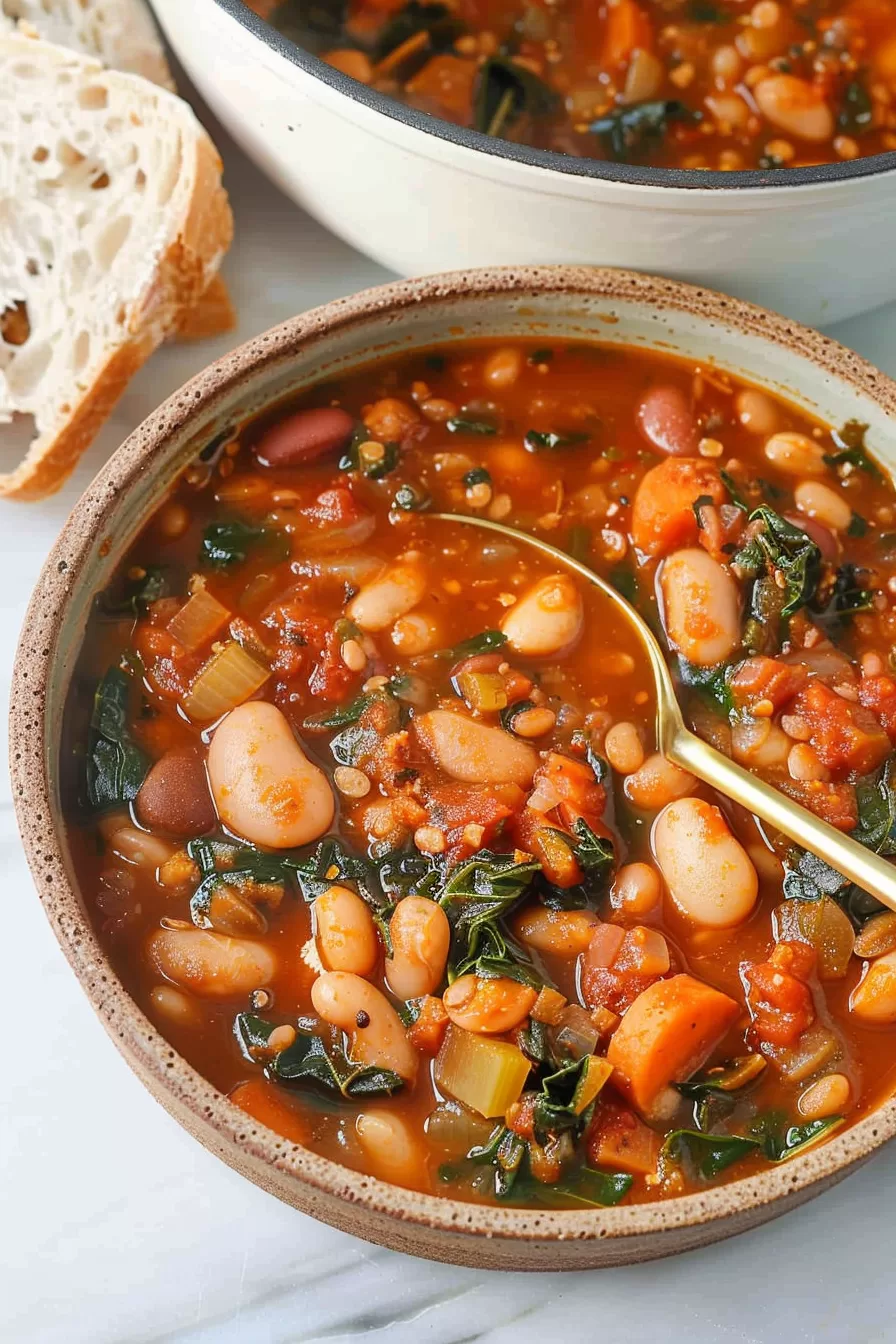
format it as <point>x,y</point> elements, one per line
<point>117,1228</point>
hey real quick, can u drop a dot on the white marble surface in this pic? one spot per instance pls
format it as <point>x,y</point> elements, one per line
<point>116,1226</point>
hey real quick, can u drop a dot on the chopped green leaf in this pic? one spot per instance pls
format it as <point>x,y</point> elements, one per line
<point>538,442</point>
<point>307,1061</point>
<point>116,766</point>
<point>504,1151</point>
<point>461,424</point>
<point>229,543</point>
<point>731,486</point>
<point>629,131</point>
<point>477,894</point>
<point>857,110</point>
<point>786,556</point>
<point>374,468</point>
<point>849,442</point>
<point>341,715</point>
<point>487,642</point>
<point>504,91</point>
<point>594,853</point>
<point>589,1187</point>
<point>139,593</point>
<point>709,1153</point>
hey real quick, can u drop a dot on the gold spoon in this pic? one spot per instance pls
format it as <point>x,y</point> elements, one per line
<point>678,744</point>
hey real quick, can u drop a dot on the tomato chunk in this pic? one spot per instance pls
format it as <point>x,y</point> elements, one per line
<point>760,678</point>
<point>846,736</point>
<point>779,997</point>
<point>879,695</point>
<point>616,970</point>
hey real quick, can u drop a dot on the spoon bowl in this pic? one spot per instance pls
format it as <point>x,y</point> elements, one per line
<point>684,748</point>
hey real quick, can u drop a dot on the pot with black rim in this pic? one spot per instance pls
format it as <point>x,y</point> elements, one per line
<point>419,194</point>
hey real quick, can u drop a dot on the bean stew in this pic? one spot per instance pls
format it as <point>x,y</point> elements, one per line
<point>701,84</point>
<point>367,806</point>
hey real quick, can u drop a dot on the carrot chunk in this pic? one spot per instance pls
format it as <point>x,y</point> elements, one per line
<point>663,518</point>
<point>618,1139</point>
<point>666,1035</point>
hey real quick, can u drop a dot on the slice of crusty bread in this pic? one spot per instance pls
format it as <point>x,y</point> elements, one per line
<point>123,35</point>
<point>120,33</point>
<point>113,220</point>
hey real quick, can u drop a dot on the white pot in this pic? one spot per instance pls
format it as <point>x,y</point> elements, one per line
<point>418,194</point>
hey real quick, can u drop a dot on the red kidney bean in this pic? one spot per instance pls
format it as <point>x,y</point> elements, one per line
<point>174,797</point>
<point>305,435</point>
<point>823,537</point>
<point>667,421</point>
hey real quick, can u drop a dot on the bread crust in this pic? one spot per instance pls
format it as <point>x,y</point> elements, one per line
<point>180,278</point>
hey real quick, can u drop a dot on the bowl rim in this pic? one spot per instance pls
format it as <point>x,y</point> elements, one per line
<point>192,1100</point>
<point>606,170</point>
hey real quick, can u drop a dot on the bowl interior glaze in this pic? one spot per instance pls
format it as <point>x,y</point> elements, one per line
<point>554,303</point>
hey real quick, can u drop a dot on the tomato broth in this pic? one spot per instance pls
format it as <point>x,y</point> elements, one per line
<point>367,808</point>
<point>699,84</point>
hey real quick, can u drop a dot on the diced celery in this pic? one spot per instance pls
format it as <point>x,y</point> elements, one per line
<point>227,679</point>
<point>199,620</point>
<point>482,690</point>
<point>486,1075</point>
<point>594,1075</point>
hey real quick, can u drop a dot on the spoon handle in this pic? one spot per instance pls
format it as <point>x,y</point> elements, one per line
<point>868,870</point>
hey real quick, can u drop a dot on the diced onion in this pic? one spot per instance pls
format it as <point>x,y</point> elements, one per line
<point>199,620</point>
<point>228,678</point>
<point>544,797</point>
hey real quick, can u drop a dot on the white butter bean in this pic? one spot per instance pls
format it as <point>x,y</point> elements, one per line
<point>390,1147</point>
<point>547,620</point>
<point>421,937</point>
<point>265,788</point>
<point>874,997</point>
<point>817,500</point>
<point>756,412</point>
<point>795,107</point>
<point>657,783</point>
<point>796,454</point>
<point>708,872</point>
<point>701,607</point>
<point>210,963</point>
<point>393,593</point>
<point>563,933</point>
<point>474,752</point>
<point>365,1014</point>
<point>345,932</point>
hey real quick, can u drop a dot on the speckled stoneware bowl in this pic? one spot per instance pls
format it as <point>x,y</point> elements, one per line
<point>556,303</point>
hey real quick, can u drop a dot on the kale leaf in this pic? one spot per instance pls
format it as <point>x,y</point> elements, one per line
<point>629,131</point>
<point>504,91</point>
<point>308,1061</point>
<point>116,766</point>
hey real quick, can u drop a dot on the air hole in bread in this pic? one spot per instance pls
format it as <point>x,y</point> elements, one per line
<point>79,269</point>
<point>41,154</point>
<point>111,240</point>
<point>93,97</point>
<point>15,439</point>
<point>28,367</point>
<point>67,155</point>
<point>15,327</point>
<point>25,70</point>
<point>139,180</point>
<point>80,351</point>
<point>100,183</point>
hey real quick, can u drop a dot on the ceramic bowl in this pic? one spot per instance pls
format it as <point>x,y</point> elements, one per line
<point>419,194</point>
<point>553,303</point>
